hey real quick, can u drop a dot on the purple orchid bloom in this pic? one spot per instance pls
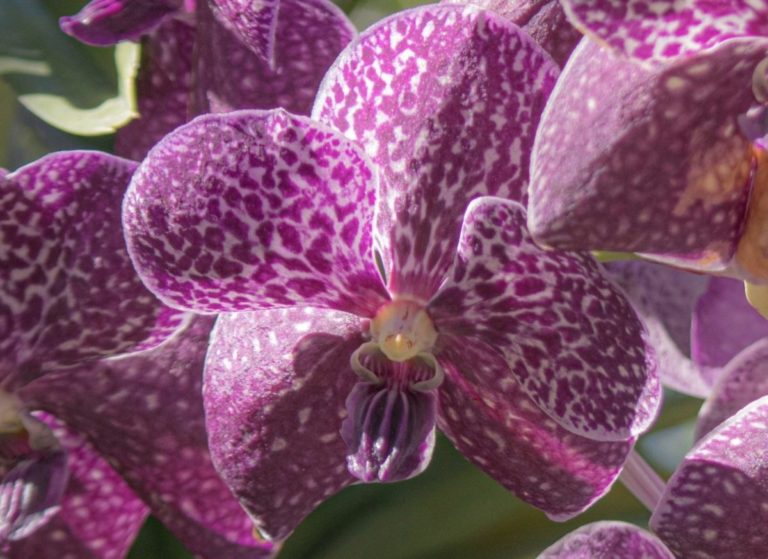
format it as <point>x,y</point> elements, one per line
<point>203,61</point>
<point>93,371</point>
<point>362,306</point>
<point>671,162</point>
<point>714,505</point>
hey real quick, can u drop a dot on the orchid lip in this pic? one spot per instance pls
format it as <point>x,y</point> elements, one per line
<point>760,81</point>
<point>371,348</point>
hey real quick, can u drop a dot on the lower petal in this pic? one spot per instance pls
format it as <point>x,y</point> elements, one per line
<point>275,390</point>
<point>614,540</point>
<point>517,444</point>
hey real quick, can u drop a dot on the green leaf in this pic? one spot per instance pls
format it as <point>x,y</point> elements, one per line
<point>79,89</point>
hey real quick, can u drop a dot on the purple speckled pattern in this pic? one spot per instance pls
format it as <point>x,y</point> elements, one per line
<point>572,341</point>
<point>714,505</point>
<point>163,88</point>
<point>229,75</point>
<point>290,370</point>
<point>68,291</point>
<point>663,168</point>
<point>446,112</point>
<point>663,29</point>
<point>99,515</point>
<point>254,21</point>
<point>608,540</point>
<point>543,20</point>
<point>244,211</point>
<point>106,22</point>
<point>743,380</point>
<point>513,441</point>
<point>665,299</point>
<point>144,414</point>
<point>724,323</point>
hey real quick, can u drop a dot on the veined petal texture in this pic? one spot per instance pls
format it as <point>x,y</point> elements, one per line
<point>255,209</point>
<point>444,100</point>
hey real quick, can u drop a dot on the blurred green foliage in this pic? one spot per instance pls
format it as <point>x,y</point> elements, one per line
<point>451,511</point>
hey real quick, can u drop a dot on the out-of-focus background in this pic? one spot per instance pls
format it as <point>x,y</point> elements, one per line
<point>451,511</point>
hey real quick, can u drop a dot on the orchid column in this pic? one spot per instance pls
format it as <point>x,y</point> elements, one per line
<point>377,280</point>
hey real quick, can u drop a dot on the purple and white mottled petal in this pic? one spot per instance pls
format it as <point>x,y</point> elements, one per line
<point>571,339</point>
<point>255,209</point>
<point>144,413</point>
<point>254,22</point>
<point>743,380</point>
<point>99,515</point>
<point>517,444</point>
<point>68,290</point>
<point>229,75</point>
<point>544,20</point>
<point>665,299</point>
<point>444,99</point>
<point>724,323</point>
<point>608,540</point>
<point>715,503</point>
<point>275,388</point>
<point>107,22</point>
<point>664,168</point>
<point>163,88</point>
<point>663,29</point>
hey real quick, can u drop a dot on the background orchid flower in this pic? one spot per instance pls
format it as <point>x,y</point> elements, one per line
<point>81,433</point>
<point>209,59</point>
<point>362,311</point>
<point>671,163</point>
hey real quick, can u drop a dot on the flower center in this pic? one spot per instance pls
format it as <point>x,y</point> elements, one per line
<point>402,329</point>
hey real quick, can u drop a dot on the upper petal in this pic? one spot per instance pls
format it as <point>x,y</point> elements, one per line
<point>714,504</point>
<point>68,291</point>
<point>276,382</point>
<point>144,414</point>
<point>106,22</point>
<point>253,22</point>
<point>513,441</point>
<point>647,160</point>
<point>652,29</point>
<point>571,339</point>
<point>444,100</point>
<point>253,210</point>
<point>163,88</point>
<point>309,34</point>
<point>665,299</point>
<point>743,380</point>
<point>617,540</point>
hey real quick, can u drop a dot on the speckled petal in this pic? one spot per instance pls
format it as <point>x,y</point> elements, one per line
<point>144,413</point>
<point>715,503</point>
<point>572,341</point>
<point>99,515</point>
<point>254,210</point>
<point>665,299</point>
<point>68,291</point>
<point>662,29</point>
<point>308,37</point>
<point>543,20</point>
<point>724,323</point>
<point>608,540</point>
<point>444,99</point>
<point>163,88</point>
<point>664,167</point>
<point>254,22</point>
<point>276,382</point>
<point>743,380</point>
<point>514,442</point>
<point>106,22</point>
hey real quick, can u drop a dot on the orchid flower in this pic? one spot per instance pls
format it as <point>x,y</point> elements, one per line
<point>653,139</point>
<point>93,372</point>
<point>377,280</point>
<point>220,60</point>
<point>714,505</point>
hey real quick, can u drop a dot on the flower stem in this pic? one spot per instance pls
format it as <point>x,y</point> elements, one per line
<point>642,481</point>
